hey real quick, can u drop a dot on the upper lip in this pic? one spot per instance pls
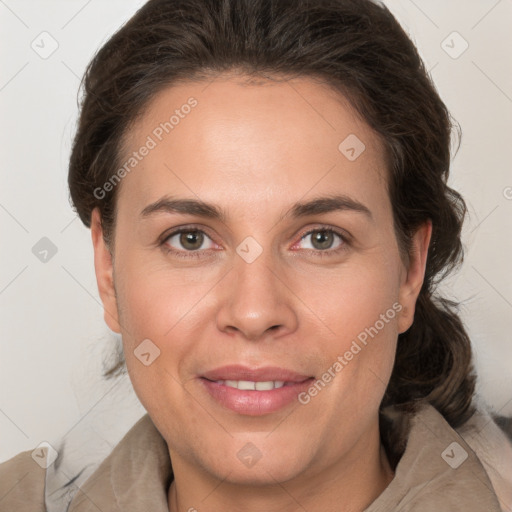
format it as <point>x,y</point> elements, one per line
<point>267,373</point>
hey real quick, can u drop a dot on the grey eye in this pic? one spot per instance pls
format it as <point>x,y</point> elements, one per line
<point>321,239</point>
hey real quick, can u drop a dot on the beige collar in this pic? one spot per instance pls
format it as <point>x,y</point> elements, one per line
<point>430,476</point>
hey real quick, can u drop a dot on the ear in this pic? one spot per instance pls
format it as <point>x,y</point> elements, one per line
<point>104,273</point>
<point>414,275</point>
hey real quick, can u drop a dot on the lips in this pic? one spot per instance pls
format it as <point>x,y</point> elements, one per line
<point>248,385</point>
<point>254,392</point>
<point>265,374</point>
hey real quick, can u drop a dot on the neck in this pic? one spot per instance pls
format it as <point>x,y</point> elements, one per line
<point>350,484</point>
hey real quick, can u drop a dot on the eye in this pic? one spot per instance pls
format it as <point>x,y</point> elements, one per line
<point>191,242</point>
<point>188,240</point>
<point>323,239</point>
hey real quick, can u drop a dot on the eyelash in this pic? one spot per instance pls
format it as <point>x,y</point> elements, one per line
<point>197,253</point>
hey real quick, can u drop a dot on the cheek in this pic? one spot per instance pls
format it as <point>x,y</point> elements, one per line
<point>170,309</point>
<point>352,297</point>
<point>358,306</point>
<point>154,300</point>
<point>158,320</point>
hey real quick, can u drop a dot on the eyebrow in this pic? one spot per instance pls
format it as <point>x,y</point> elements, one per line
<point>319,205</point>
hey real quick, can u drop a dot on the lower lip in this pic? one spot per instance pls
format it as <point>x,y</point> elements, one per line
<point>255,403</point>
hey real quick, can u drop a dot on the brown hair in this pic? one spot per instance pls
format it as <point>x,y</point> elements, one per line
<point>358,48</point>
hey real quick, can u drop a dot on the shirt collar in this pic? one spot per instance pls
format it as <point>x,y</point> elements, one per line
<point>137,473</point>
<point>134,477</point>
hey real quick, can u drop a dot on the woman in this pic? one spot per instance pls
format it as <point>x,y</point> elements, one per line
<point>266,187</point>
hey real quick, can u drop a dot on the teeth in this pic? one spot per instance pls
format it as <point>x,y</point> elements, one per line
<point>248,385</point>
<point>264,386</point>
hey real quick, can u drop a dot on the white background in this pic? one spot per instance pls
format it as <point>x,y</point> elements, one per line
<point>53,338</point>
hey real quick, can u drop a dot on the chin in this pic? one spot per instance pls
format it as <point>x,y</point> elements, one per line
<point>269,475</point>
<point>251,467</point>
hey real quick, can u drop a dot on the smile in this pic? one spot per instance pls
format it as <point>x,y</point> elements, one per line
<point>253,392</point>
<point>248,385</point>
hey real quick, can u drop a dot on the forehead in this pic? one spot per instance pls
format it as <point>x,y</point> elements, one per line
<point>226,141</point>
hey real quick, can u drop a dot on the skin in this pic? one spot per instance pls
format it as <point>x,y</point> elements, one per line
<point>254,150</point>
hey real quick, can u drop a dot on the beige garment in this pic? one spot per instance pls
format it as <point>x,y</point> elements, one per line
<point>137,473</point>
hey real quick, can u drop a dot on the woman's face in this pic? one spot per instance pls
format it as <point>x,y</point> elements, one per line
<point>287,271</point>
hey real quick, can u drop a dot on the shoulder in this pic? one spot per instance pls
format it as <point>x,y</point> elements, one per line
<point>438,469</point>
<point>33,481</point>
<point>22,481</point>
<point>490,437</point>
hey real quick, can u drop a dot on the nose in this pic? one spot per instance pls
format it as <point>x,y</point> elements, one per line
<point>256,302</point>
